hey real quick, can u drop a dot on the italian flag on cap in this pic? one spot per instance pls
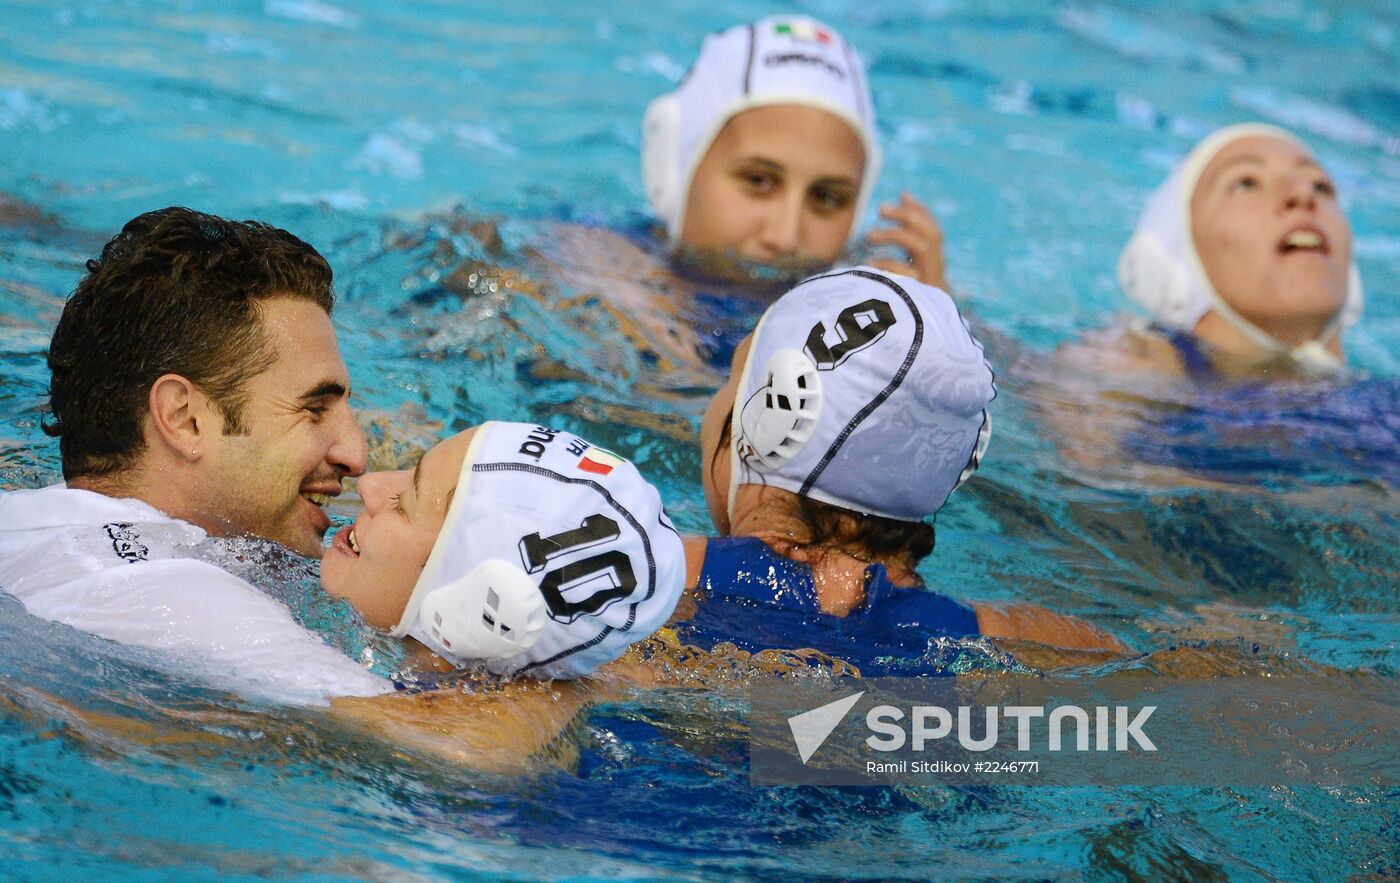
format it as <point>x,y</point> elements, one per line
<point>802,30</point>
<point>599,461</point>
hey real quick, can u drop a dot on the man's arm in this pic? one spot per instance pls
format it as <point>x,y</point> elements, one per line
<point>508,730</point>
<point>212,627</point>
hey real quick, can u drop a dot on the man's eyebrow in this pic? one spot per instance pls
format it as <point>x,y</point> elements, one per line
<point>326,389</point>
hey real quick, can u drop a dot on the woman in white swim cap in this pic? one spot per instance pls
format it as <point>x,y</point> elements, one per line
<point>1244,250</point>
<point>759,165</point>
<point>766,156</point>
<point>853,411</point>
<point>522,547</point>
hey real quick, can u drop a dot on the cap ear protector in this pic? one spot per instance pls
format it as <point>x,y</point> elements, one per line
<point>778,419</point>
<point>494,611</point>
<point>979,450</point>
<point>782,415</point>
<point>660,172</point>
<point>1157,281</point>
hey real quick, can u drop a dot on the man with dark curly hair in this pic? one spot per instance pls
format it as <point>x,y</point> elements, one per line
<point>195,368</point>
<point>197,393</point>
<point>197,390</point>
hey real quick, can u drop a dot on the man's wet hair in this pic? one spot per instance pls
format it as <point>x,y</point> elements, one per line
<point>175,292</point>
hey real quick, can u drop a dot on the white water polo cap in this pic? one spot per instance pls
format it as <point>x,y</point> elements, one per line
<point>778,60</point>
<point>1161,269</point>
<point>555,555</point>
<point>864,390</point>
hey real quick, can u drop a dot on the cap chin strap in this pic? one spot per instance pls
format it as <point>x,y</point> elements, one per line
<point>774,424</point>
<point>1313,356</point>
<point>494,612</point>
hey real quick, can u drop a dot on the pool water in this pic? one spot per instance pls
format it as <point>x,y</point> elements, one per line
<point>1255,526</point>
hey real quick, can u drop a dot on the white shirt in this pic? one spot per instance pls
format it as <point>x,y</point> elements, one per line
<point>121,569</point>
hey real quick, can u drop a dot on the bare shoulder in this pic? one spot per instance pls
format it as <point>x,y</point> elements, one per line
<point>632,282</point>
<point>605,263</point>
<point>1122,351</point>
<point>1091,391</point>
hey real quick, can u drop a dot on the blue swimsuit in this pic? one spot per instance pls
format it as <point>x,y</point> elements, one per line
<point>1197,364</point>
<point>757,599</point>
<point>1340,430</point>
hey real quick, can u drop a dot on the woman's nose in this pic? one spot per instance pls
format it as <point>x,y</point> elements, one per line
<point>782,228</point>
<point>1298,191</point>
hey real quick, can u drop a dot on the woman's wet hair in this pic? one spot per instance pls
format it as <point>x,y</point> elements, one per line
<point>175,292</point>
<point>865,535</point>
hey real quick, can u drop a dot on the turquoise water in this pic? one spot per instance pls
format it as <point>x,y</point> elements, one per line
<point>1265,533</point>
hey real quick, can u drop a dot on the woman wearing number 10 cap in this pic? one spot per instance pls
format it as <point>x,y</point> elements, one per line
<point>524,548</point>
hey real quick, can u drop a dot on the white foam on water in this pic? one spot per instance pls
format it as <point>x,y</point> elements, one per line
<point>312,11</point>
<point>340,200</point>
<point>1137,39</point>
<point>21,110</point>
<point>1310,115</point>
<point>483,136</point>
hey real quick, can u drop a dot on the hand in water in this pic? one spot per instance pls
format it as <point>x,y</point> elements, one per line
<point>917,233</point>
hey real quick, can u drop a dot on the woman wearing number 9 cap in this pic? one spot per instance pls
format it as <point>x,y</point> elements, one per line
<point>856,407</point>
<point>522,547</point>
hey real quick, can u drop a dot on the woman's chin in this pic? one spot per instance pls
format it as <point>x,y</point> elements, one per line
<point>709,264</point>
<point>331,578</point>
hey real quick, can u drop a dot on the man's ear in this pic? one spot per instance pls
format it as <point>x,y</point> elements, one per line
<point>182,416</point>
